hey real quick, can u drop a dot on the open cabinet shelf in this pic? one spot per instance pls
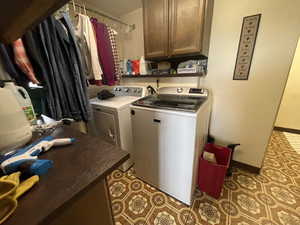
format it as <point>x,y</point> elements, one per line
<point>165,75</point>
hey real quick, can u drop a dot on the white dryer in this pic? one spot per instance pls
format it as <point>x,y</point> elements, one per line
<point>111,118</point>
<point>169,131</point>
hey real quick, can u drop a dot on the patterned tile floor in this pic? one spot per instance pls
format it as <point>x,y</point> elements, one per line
<point>294,140</point>
<point>271,198</point>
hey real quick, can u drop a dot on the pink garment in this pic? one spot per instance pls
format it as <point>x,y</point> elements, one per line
<point>105,52</point>
<point>22,60</point>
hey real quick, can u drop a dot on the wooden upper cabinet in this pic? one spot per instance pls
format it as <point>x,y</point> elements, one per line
<point>188,27</point>
<point>17,16</point>
<point>155,28</point>
<point>186,20</point>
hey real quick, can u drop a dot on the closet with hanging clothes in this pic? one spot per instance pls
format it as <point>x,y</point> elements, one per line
<point>98,40</point>
<point>59,58</point>
<point>57,55</point>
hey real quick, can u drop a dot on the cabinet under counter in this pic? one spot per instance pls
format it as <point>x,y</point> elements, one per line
<point>74,191</point>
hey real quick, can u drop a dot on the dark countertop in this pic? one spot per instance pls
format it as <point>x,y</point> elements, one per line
<point>76,167</point>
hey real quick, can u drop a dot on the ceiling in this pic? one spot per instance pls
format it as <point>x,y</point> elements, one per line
<point>114,7</point>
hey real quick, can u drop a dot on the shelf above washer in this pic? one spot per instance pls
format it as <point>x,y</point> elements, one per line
<point>165,75</point>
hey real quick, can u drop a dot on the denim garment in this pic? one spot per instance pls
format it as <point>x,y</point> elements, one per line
<point>7,57</point>
<point>79,72</point>
<point>66,57</point>
<point>34,48</point>
<point>59,98</point>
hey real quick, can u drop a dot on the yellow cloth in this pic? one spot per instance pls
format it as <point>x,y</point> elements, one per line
<point>10,190</point>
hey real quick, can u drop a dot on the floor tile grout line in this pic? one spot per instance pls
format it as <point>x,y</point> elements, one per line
<point>248,209</point>
<point>267,205</point>
<point>190,210</point>
<point>229,199</point>
<point>185,222</point>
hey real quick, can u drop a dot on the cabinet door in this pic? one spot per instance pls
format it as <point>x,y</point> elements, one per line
<point>145,145</point>
<point>186,21</point>
<point>106,125</point>
<point>176,147</point>
<point>17,16</point>
<point>164,149</point>
<point>155,28</point>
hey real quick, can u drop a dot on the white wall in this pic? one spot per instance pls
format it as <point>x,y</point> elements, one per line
<point>288,115</point>
<point>244,111</point>
<point>133,42</point>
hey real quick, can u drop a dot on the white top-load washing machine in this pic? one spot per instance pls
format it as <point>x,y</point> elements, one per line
<point>111,117</point>
<point>170,130</point>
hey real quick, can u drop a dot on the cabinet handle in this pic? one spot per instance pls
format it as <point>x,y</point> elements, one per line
<point>111,135</point>
<point>156,121</point>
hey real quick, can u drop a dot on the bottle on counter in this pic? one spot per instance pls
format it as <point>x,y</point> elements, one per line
<point>129,67</point>
<point>143,66</point>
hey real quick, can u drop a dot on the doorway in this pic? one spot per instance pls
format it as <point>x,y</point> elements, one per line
<point>288,117</point>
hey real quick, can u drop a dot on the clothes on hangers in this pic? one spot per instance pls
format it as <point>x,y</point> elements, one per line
<point>21,59</point>
<point>52,51</point>
<point>83,46</point>
<point>93,81</point>
<point>85,34</point>
<point>36,54</point>
<point>66,64</point>
<point>7,57</point>
<point>51,55</point>
<point>47,30</point>
<point>66,80</point>
<point>105,52</point>
<point>78,70</point>
<point>112,37</point>
<point>32,45</point>
<point>3,74</point>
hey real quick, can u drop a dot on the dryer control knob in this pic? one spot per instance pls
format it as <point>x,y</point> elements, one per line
<point>179,90</point>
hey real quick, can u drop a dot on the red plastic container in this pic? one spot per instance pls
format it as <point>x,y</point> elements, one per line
<point>136,67</point>
<point>211,175</point>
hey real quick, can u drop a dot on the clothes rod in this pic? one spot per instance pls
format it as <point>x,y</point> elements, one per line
<point>132,26</point>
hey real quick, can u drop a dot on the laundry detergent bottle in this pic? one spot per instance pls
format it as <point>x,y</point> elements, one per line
<point>15,129</point>
<point>24,100</point>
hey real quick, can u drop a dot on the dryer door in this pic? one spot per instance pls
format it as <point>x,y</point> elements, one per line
<point>106,124</point>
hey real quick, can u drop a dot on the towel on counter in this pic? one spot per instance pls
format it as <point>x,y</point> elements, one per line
<point>10,190</point>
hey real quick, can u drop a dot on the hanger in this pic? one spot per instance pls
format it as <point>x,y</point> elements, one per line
<point>59,13</point>
<point>113,29</point>
<point>73,3</point>
<point>84,9</point>
<point>74,8</point>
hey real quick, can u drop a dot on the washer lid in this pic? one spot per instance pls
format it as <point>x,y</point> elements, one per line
<point>186,103</point>
<point>117,102</point>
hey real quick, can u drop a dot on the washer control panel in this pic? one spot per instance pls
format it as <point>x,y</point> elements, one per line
<point>196,91</point>
<point>183,91</point>
<point>129,91</point>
